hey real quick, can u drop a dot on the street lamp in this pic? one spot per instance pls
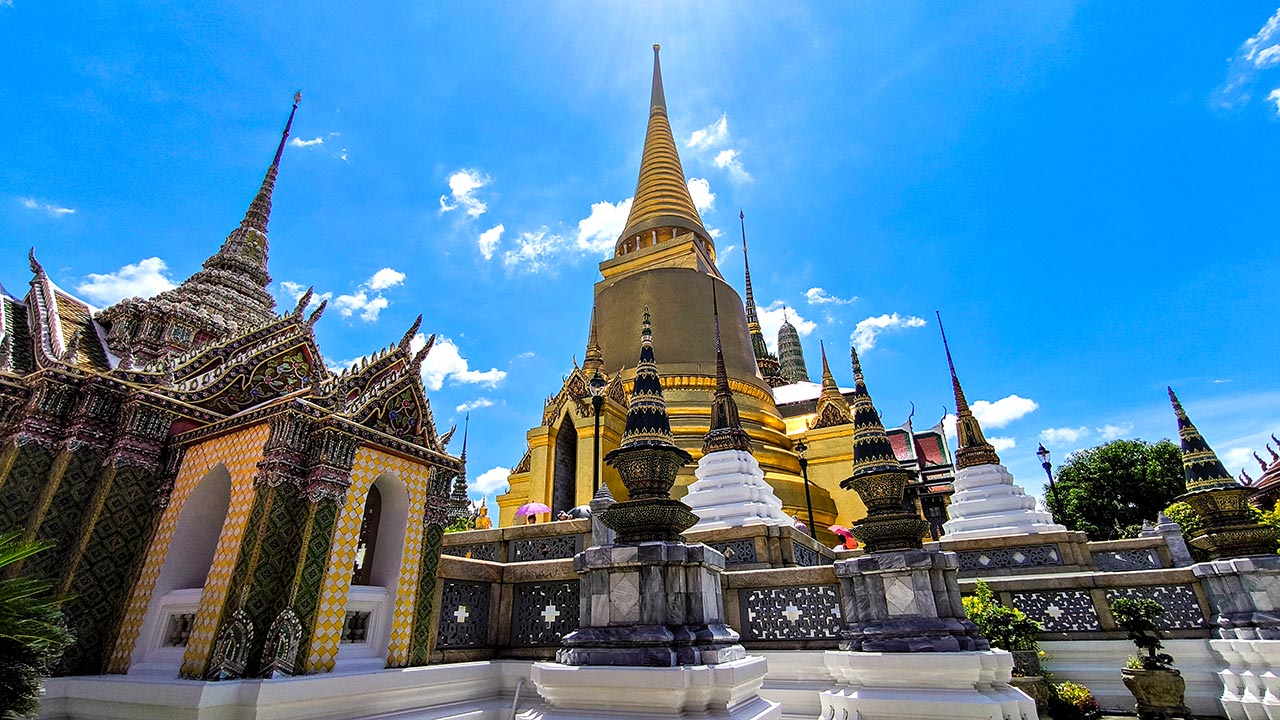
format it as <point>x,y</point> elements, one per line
<point>596,387</point>
<point>1043,454</point>
<point>801,449</point>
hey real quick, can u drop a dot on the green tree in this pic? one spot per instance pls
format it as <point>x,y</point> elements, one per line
<point>33,632</point>
<point>1109,490</point>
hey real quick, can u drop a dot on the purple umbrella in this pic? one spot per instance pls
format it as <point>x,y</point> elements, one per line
<point>532,509</point>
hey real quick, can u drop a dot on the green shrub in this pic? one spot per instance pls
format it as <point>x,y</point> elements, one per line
<point>1072,701</point>
<point>1006,628</point>
<point>33,633</point>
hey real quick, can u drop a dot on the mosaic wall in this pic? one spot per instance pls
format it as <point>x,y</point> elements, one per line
<point>1181,608</point>
<point>1027,556</point>
<point>369,465</point>
<point>239,452</point>
<point>464,615</point>
<point>1059,610</point>
<point>542,613</point>
<point>805,612</point>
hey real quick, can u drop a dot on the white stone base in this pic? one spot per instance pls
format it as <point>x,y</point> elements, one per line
<point>920,686</point>
<point>730,491</point>
<point>1250,685</point>
<point>1096,665</point>
<point>987,503</point>
<point>462,691</point>
<point>729,690</point>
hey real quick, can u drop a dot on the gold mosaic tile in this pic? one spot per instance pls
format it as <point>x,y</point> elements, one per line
<point>240,453</point>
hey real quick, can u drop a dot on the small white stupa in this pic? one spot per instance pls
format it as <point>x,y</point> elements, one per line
<point>986,502</point>
<point>730,490</point>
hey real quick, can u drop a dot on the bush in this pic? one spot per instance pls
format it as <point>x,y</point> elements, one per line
<point>1138,618</point>
<point>461,524</point>
<point>1006,628</point>
<point>33,632</point>
<point>1072,701</point>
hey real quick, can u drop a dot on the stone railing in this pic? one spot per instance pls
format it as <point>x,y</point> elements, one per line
<point>756,547</point>
<point>1061,552</point>
<point>523,543</point>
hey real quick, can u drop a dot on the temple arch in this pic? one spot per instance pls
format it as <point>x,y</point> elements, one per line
<point>176,597</point>
<point>564,479</point>
<point>375,576</point>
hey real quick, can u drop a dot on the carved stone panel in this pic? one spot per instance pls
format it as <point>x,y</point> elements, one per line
<point>805,612</point>
<point>805,556</point>
<point>1059,611</point>
<point>736,552</point>
<point>1015,557</point>
<point>548,548</point>
<point>543,613</point>
<point>477,551</point>
<point>1181,609</point>
<point>464,615</point>
<point>1122,560</point>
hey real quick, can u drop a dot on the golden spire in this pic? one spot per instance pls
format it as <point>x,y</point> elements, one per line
<point>594,359</point>
<point>832,408</point>
<point>972,448</point>
<point>662,207</point>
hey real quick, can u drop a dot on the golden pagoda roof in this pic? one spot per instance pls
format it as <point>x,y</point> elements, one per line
<point>662,199</point>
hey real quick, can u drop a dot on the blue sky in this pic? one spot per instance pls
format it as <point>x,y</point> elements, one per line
<point>1084,190</point>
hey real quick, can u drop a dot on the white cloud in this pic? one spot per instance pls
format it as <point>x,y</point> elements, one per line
<point>293,292</point>
<point>710,136</point>
<point>474,405</point>
<point>723,253</point>
<point>1114,432</point>
<point>488,241</point>
<point>1238,458</point>
<point>1003,411</point>
<point>818,296</point>
<point>490,481</point>
<point>533,250</point>
<point>771,318</point>
<point>445,362</point>
<point>386,278</point>
<point>360,302</point>
<point>142,279</point>
<point>1063,436</point>
<point>299,142</point>
<point>1002,443</point>
<point>598,232</point>
<point>1258,49</point>
<point>51,210</point>
<point>463,185</point>
<point>368,306</point>
<point>728,160</point>
<point>866,331</point>
<point>700,191</point>
<point>1274,97</point>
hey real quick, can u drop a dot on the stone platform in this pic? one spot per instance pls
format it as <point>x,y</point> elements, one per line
<point>912,686</point>
<point>727,690</point>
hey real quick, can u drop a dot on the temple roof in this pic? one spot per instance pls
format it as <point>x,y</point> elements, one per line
<point>1203,469</point>
<point>662,198</point>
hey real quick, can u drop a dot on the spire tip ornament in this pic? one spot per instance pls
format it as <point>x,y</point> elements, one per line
<point>972,447</point>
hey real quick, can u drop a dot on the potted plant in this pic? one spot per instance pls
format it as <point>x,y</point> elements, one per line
<point>1008,628</point>
<point>1156,686</point>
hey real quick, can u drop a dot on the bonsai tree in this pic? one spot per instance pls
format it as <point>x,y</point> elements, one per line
<point>33,633</point>
<point>1138,618</point>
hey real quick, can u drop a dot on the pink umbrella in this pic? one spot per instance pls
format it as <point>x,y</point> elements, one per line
<point>839,529</point>
<point>532,509</point>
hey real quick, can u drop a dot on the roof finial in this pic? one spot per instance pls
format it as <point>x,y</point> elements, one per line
<point>973,449</point>
<point>657,99</point>
<point>770,369</point>
<point>594,359</point>
<point>259,212</point>
<point>466,430</point>
<point>726,431</point>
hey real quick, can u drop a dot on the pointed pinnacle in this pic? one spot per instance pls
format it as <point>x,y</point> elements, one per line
<point>657,99</point>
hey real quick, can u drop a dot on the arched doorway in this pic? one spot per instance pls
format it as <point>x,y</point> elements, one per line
<point>375,577</point>
<point>171,611</point>
<point>564,486</point>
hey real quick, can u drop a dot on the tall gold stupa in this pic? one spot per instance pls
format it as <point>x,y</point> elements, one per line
<point>665,259</point>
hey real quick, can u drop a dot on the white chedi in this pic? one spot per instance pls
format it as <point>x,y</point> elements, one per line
<point>987,503</point>
<point>730,491</point>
